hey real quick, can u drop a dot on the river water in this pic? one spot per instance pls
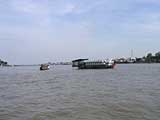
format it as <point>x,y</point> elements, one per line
<point>128,92</point>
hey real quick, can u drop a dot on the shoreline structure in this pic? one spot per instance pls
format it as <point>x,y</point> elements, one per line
<point>149,58</point>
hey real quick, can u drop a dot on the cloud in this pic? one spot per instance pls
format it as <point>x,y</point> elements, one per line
<point>42,7</point>
<point>64,9</point>
<point>29,6</point>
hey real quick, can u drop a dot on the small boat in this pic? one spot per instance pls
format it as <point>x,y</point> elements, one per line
<point>101,64</point>
<point>44,67</point>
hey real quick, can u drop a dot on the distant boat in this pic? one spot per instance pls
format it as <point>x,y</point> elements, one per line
<point>44,67</point>
<point>101,64</point>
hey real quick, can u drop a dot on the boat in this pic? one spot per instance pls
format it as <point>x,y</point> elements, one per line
<point>100,64</point>
<point>44,67</point>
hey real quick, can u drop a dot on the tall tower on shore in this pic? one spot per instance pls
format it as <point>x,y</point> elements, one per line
<point>131,53</point>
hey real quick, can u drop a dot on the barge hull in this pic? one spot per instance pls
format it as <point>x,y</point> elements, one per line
<point>96,67</point>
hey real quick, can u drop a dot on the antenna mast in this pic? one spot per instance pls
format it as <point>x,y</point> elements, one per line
<point>131,53</point>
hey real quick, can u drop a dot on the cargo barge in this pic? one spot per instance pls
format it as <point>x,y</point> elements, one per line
<point>86,64</point>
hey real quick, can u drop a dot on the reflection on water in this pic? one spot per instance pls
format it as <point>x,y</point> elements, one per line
<point>128,92</point>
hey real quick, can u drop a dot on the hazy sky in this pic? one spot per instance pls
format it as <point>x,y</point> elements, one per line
<point>38,31</point>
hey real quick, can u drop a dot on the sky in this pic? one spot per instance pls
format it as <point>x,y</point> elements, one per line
<point>40,31</point>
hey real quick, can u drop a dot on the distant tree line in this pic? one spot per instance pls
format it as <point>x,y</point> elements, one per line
<point>150,58</point>
<point>3,63</point>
